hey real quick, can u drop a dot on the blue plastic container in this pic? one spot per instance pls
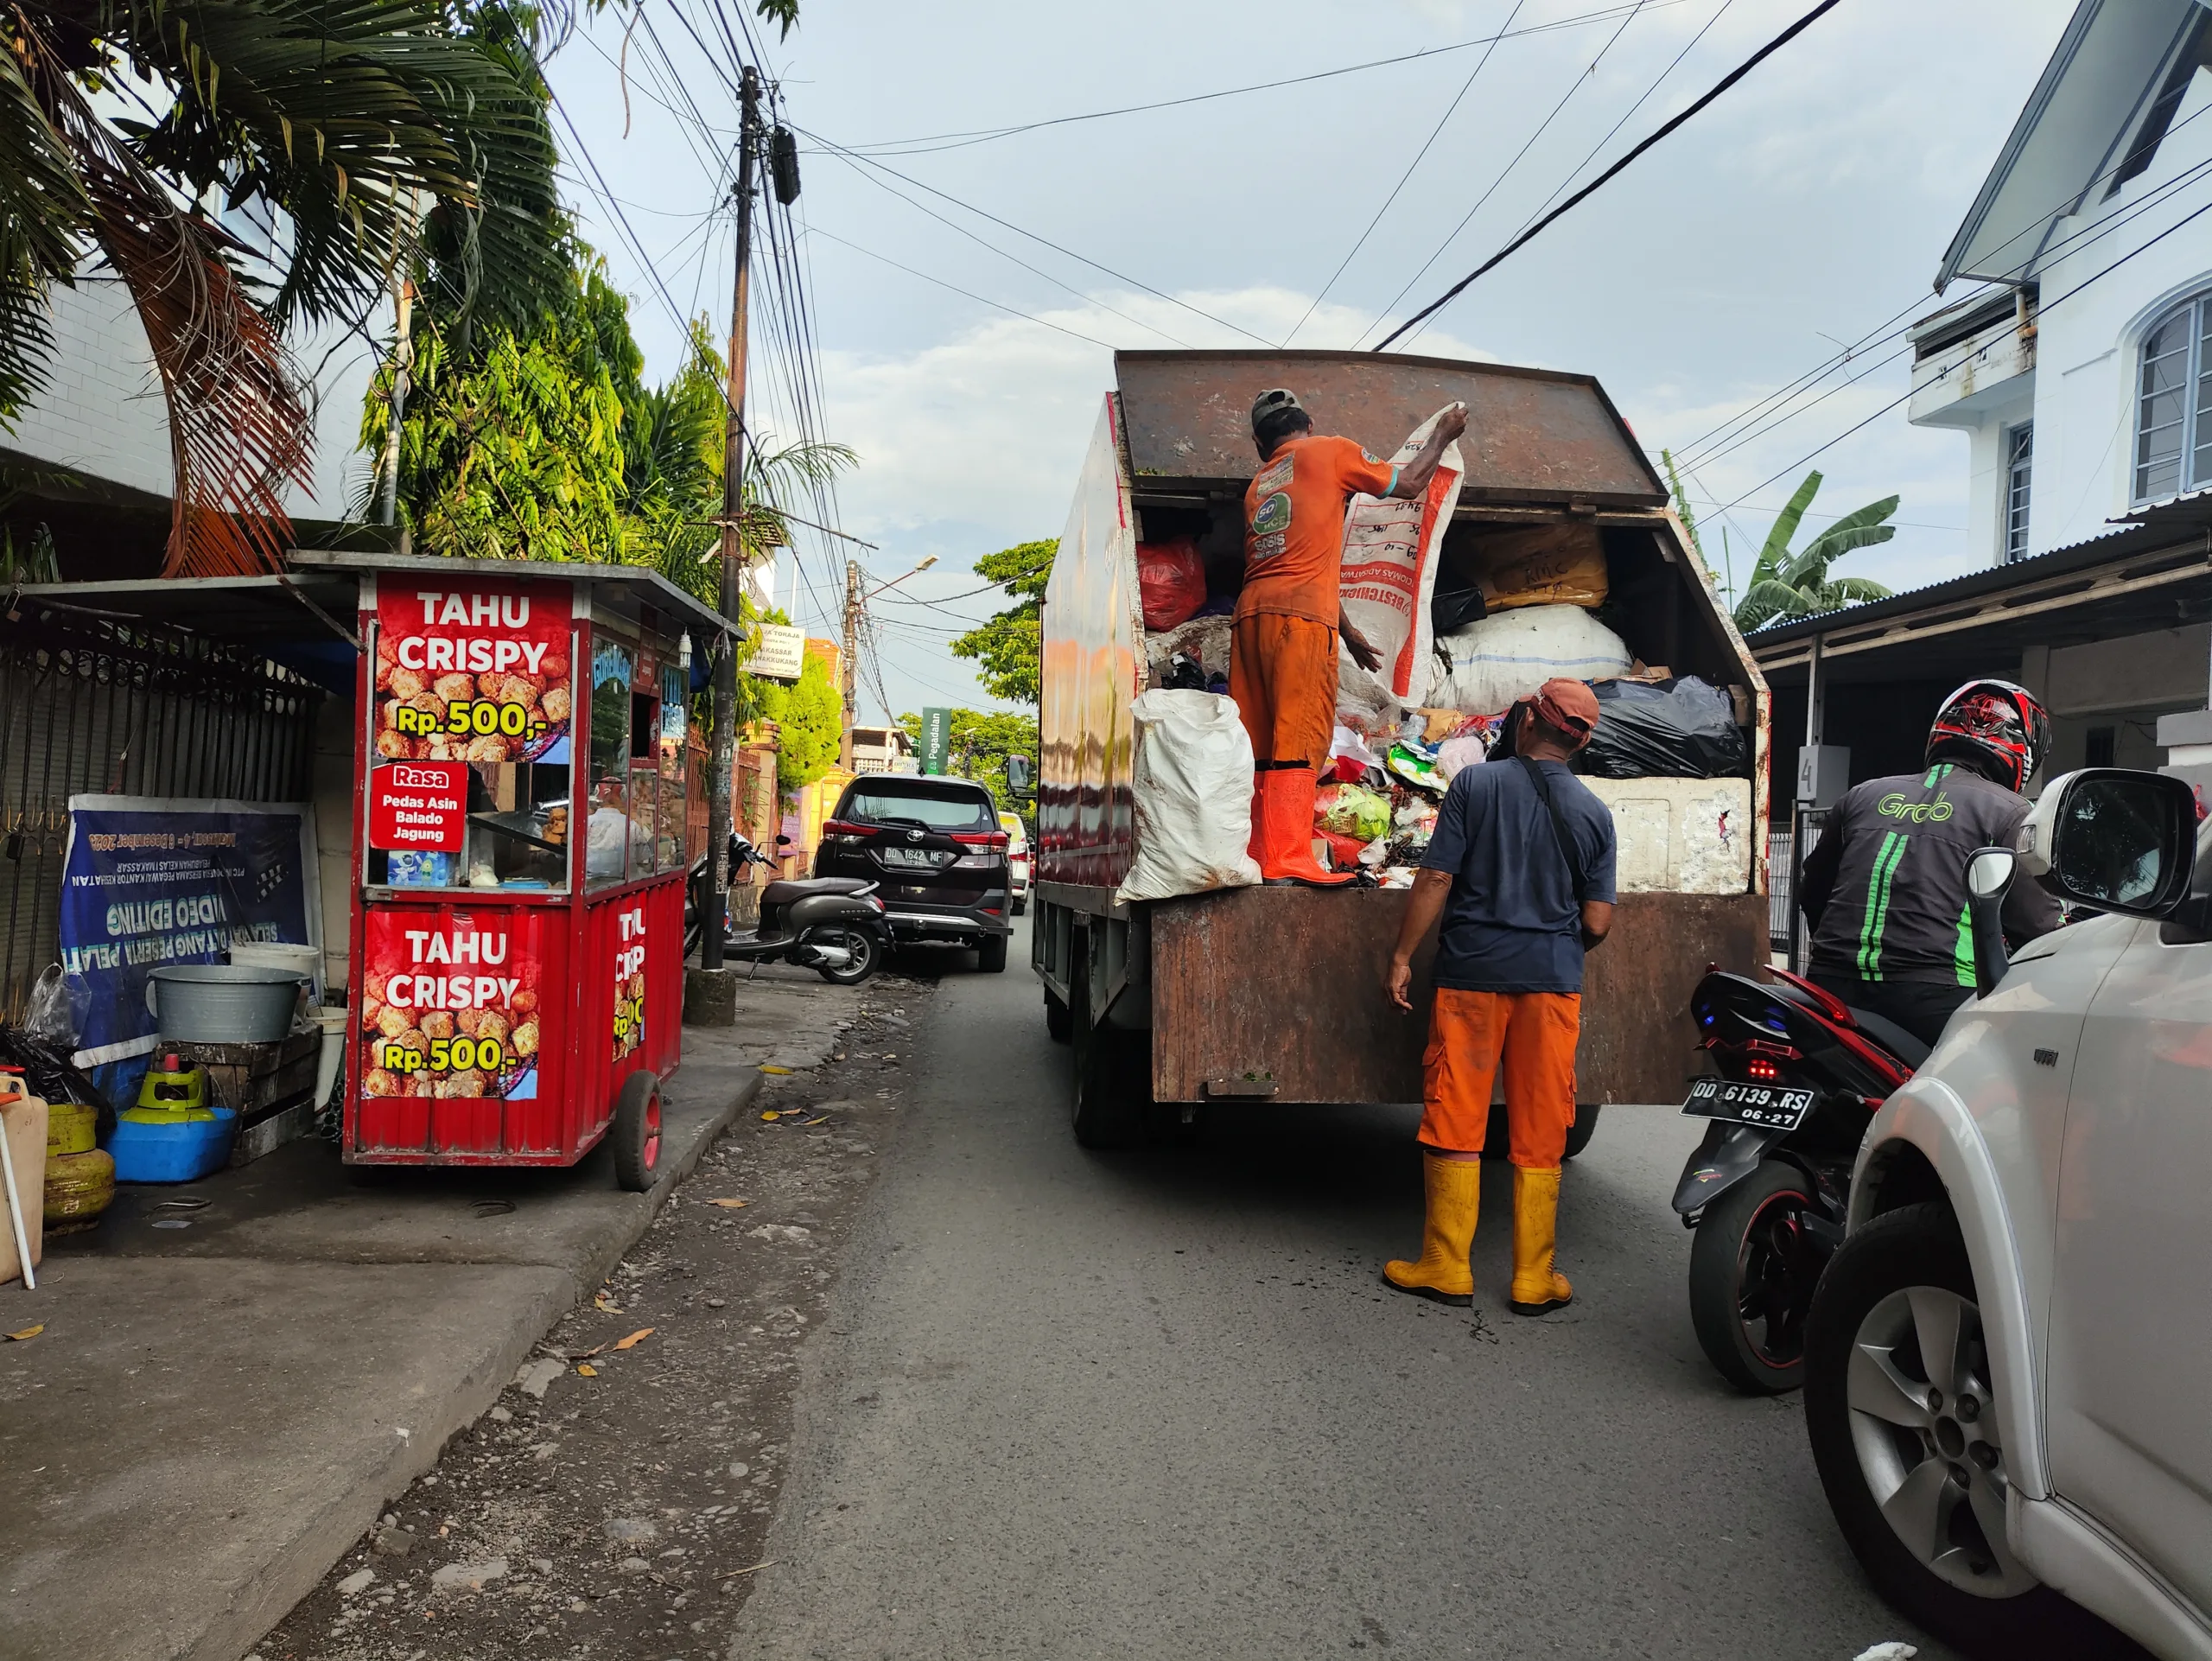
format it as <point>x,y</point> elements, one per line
<point>172,1152</point>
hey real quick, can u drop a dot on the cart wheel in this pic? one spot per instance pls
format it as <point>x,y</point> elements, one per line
<point>637,1131</point>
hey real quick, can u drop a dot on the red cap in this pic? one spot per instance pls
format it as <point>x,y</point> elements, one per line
<point>1568,705</point>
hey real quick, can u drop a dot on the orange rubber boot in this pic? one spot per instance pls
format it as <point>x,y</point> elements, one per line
<point>1286,854</point>
<point>1454,1188</point>
<point>1256,848</point>
<point>1537,1286</point>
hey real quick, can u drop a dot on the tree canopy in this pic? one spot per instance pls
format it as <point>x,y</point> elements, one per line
<point>809,714</point>
<point>981,741</point>
<point>1008,645</point>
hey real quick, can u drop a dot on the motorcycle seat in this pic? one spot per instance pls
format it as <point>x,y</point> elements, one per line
<point>1891,1037</point>
<point>790,890</point>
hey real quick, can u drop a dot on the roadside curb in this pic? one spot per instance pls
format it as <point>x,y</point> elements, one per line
<point>295,1568</point>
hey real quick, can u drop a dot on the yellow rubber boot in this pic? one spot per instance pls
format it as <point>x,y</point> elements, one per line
<point>1454,1188</point>
<point>1537,1287</point>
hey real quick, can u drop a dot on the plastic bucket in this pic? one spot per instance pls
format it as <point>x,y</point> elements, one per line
<point>334,1024</point>
<point>223,1003</point>
<point>302,960</point>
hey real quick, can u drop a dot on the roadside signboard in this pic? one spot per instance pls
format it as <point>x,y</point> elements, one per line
<point>937,741</point>
<point>780,653</point>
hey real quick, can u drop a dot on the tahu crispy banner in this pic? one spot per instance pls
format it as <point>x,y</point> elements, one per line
<point>476,673</point>
<point>629,968</point>
<point>450,1000</point>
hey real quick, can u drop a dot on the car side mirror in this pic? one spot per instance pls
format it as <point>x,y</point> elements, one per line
<point>2113,839</point>
<point>1989,874</point>
<point>1020,773</point>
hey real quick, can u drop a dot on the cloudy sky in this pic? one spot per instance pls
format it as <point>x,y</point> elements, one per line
<point>1804,213</point>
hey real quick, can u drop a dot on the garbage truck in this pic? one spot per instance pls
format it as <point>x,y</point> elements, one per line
<point>1263,995</point>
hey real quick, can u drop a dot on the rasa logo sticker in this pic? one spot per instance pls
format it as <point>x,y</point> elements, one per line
<point>630,982</point>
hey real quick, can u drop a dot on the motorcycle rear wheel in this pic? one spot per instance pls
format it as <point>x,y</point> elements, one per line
<point>862,964</point>
<point>1752,1270</point>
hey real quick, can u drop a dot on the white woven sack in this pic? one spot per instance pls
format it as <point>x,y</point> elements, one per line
<point>1500,660</point>
<point>1192,793</point>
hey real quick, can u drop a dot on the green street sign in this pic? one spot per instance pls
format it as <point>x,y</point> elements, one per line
<point>937,741</point>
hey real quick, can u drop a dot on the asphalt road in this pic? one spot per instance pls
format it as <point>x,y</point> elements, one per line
<point>1156,1403</point>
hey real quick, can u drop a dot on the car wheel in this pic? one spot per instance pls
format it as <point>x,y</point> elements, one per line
<point>1902,1418</point>
<point>1059,1020</point>
<point>1753,1270</point>
<point>990,954</point>
<point>1021,908</point>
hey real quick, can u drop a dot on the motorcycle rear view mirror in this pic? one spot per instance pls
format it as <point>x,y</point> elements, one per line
<point>1989,874</point>
<point>2113,839</point>
<point>783,842</point>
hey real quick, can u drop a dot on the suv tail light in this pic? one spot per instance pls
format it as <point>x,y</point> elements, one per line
<point>996,839</point>
<point>842,833</point>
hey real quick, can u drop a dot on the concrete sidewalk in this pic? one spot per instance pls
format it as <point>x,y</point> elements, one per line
<point>215,1413</point>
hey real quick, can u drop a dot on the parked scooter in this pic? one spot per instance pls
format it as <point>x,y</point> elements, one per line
<point>1800,1075</point>
<point>832,923</point>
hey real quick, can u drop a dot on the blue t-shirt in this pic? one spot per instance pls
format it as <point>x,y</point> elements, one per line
<point>1512,924</point>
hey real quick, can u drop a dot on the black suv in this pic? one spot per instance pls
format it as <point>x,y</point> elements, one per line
<point>937,850</point>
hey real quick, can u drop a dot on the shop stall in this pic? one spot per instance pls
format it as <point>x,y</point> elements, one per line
<point>516,933</point>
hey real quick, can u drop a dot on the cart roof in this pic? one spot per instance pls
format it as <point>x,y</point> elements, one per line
<point>318,597</point>
<point>1533,434</point>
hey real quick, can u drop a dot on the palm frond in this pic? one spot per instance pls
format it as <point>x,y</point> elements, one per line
<point>238,428</point>
<point>1850,591</point>
<point>1769,600</point>
<point>45,217</point>
<point>1862,529</point>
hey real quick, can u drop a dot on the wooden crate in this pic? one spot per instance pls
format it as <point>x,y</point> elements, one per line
<point>257,1080</point>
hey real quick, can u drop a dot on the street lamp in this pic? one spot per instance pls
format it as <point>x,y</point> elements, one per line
<point>928,560</point>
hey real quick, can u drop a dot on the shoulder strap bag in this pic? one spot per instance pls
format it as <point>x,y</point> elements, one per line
<point>1559,832</point>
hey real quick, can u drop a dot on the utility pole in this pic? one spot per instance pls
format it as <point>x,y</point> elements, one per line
<point>845,668</point>
<point>715,911</point>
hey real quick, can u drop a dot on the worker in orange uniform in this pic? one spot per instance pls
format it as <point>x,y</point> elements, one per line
<point>1283,664</point>
<point>1520,870</point>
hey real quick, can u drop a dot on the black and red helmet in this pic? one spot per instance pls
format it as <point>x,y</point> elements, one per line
<point>1998,728</point>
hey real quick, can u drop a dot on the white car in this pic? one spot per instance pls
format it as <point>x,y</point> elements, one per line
<point>1017,859</point>
<point>2009,1361</point>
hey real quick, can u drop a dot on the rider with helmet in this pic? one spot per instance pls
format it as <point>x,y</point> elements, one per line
<point>1884,891</point>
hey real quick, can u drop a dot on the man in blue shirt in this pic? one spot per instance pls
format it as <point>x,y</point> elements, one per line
<point>1521,871</point>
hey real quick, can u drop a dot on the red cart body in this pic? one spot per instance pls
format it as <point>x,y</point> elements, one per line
<point>520,859</point>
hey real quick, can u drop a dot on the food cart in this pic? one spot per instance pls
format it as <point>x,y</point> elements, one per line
<point>517,955</point>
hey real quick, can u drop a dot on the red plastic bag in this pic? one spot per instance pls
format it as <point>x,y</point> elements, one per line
<point>1172,580</point>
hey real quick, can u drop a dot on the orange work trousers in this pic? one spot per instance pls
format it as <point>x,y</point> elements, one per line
<point>1535,1034</point>
<point>1282,674</point>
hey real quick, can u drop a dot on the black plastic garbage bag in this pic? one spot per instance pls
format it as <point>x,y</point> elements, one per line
<point>1451,610</point>
<point>1680,728</point>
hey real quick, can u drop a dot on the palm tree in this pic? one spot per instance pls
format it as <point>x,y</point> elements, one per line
<point>375,135</point>
<point>1787,584</point>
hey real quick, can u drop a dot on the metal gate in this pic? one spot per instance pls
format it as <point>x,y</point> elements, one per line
<point>91,706</point>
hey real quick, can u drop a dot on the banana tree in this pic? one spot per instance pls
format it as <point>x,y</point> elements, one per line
<point>1787,584</point>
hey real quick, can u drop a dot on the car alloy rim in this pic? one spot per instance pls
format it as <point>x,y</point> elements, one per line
<point>1775,1279</point>
<point>1924,1424</point>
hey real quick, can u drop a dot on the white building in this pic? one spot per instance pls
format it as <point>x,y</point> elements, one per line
<point>2083,376</point>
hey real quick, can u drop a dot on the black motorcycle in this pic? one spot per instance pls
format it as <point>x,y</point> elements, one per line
<point>1800,1075</point>
<point>835,924</point>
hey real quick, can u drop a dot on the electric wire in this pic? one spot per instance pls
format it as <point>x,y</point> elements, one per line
<point>1597,184</point>
<point>1427,145</point>
<point>1504,173</point>
<point>935,142</point>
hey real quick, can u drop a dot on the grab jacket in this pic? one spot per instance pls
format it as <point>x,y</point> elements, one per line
<point>1885,888</point>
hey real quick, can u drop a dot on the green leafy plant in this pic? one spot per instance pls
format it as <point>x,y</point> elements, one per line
<point>1787,584</point>
<point>1007,644</point>
<point>981,740</point>
<point>809,715</point>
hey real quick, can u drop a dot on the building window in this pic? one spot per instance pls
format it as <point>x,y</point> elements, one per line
<point>2173,404</point>
<point>2020,460</point>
